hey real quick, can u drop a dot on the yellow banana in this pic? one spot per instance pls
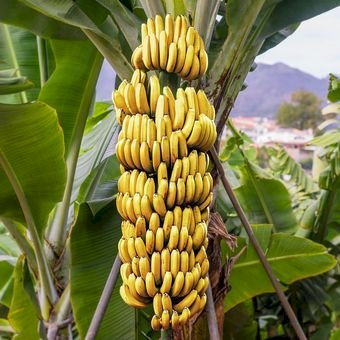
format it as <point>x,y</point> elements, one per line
<point>166,302</point>
<point>177,28</point>
<point>165,150</point>
<point>119,101</point>
<point>156,267</point>
<point>159,243</point>
<point>125,271</point>
<point>171,197</point>
<point>173,238</point>
<point>161,132</point>
<point>178,217</point>
<point>130,211</point>
<point>175,320</point>
<point>195,307</point>
<point>205,214</point>
<point>163,50</point>
<point>189,57</point>
<point>149,242</point>
<point>178,284</point>
<point>140,287</point>
<point>175,262</point>
<point>194,70</point>
<point>161,109</point>
<point>188,284</point>
<point>184,261</point>
<point>146,207</point>
<point>176,170</point>
<point>198,186</point>
<point>186,217</point>
<point>150,284</point>
<point>189,190</point>
<point>135,79</point>
<point>184,317</point>
<point>162,172</point>
<point>187,301</point>
<point>145,157</point>
<point>144,31</point>
<point>197,43</point>
<point>130,98</point>
<point>180,94</point>
<point>141,99</point>
<point>156,323</point>
<point>149,188</point>
<point>151,133</point>
<point>140,247</point>
<point>135,266</point>
<point>181,54</point>
<point>172,58</point>
<point>131,248</point>
<point>191,254</point>
<point>174,147</point>
<point>190,36</point>
<point>201,255</point>
<point>169,28</point>
<point>179,115</point>
<point>154,93</point>
<point>129,299</point>
<point>184,26</point>
<point>182,144</point>
<point>199,235</point>
<point>144,128</point>
<point>141,180</point>
<point>119,205</point>
<point>165,320</point>
<point>183,239</point>
<point>163,187</point>
<point>165,261</point>
<point>171,102</point>
<point>202,164</point>
<point>197,214</point>
<point>189,123</point>
<point>200,286</point>
<point>195,135</point>
<point>157,304</point>
<point>203,62</point>
<point>167,224</point>
<point>168,125</point>
<point>135,153</point>
<point>180,194</point>
<point>156,155</point>
<point>123,250</point>
<point>207,202</point>
<point>205,267</point>
<point>144,266</point>
<point>206,189</point>
<point>128,154</point>
<point>203,302</point>
<point>151,26</point>
<point>159,25</point>
<point>196,275</point>
<point>203,102</point>
<point>167,283</point>
<point>133,181</point>
<point>159,205</point>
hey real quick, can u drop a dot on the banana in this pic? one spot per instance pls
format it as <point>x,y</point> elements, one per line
<point>206,242</point>
<point>129,299</point>
<point>124,182</point>
<point>162,172</point>
<point>156,323</point>
<point>131,248</point>
<point>136,202</point>
<point>144,127</point>
<point>171,101</point>
<point>157,304</point>
<point>124,205</point>
<point>144,266</point>
<point>137,58</point>
<point>165,261</point>
<point>166,302</point>
<point>167,283</point>
<point>168,124</point>
<point>156,267</point>
<point>125,125</point>
<point>120,152</point>
<point>165,150</point>
<point>172,58</point>
<point>190,36</point>
<point>161,132</point>
<point>120,116</point>
<point>203,302</point>
<point>203,56</point>
<point>205,267</point>
<point>130,98</point>
<point>197,214</point>
<point>151,133</point>
<point>159,25</point>
<point>178,122</point>
<point>173,238</point>
<point>205,132</point>
<point>202,164</point>
<point>207,202</point>
<point>144,31</point>
<point>197,43</point>
<point>189,123</point>
<point>178,284</point>
<point>150,284</point>
<point>140,247</point>
<point>206,284</point>
<point>140,183</point>
<point>141,99</point>
<point>205,214</point>
<point>171,197</point>
<point>146,207</point>
<point>195,135</point>
<point>151,26</point>
<point>185,168</point>
<point>125,271</point>
<point>201,255</point>
<point>176,171</point>
<point>154,93</point>
<point>177,28</point>
<point>184,26</point>
<point>149,188</point>
<point>119,101</point>
<point>188,284</point>
<point>180,94</point>
<point>127,154</point>
<point>180,194</point>
<point>161,109</point>
<point>182,144</point>
<point>186,217</point>
<point>184,317</point>
<point>159,243</point>
<point>140,287</point>
<point>174,320</point>
<point>189,190</point>
<point>135,153</point>
<point>159,205</point>
<point>169,28</point>
<point>165,320</point>
<point>156,155</point>
<point>183,239</point>
<point>192,260</point>
<point>196,275</point>
<point>199,235</point>
<point>203,103</point>
<point>195,307</point>
<point>178,217</point>
<point>135,266</point>
<point>174,147</point>
<point>188,62</point>
<point>184,261</point>
<point>133,181</point>
<point>119,205</point>
<point>186,301</point>
<point>212,112</point>
<point>198,187</point>
<point>163,50</point>
<point>149,242</point>
<point>194,70</point>
<point>167,224</point>
<point>123,250</point>
<point>145,157</point>
<point>121,169</point>
<point>132,288</point>
<point>175,262</point>
<point>181,54</point>
<point>135,79</point>
<point>130,211</point>
<point>163,187</point>
<point>206,189</point>
<point>200,286</point>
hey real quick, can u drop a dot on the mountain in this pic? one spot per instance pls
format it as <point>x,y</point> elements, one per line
<point>270,85</point>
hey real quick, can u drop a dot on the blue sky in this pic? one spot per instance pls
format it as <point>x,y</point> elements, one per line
<point>314,47</point>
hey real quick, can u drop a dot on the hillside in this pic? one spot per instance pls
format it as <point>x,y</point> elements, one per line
<point>269,85</point>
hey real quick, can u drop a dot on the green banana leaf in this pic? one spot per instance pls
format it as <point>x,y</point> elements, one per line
<point>291,258</point>
<point>32,166</point>
<point>93,248</point>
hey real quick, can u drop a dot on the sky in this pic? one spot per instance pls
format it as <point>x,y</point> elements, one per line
<point>314,47</point>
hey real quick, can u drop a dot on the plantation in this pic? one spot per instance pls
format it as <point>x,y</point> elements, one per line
<point>152,216</point>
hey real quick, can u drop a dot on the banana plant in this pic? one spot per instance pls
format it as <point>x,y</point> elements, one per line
<point>58,170</point>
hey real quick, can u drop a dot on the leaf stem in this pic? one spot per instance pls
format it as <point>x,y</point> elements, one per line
<point>12,55</point>
<point>43,60</point>
<point>48,294</point>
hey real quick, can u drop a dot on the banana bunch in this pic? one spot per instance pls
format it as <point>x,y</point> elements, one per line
<point>172,46</point>
<point>165,188</point>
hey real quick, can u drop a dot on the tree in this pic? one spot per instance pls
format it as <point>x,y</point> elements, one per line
<point>58,171</point>
<point>301,112</point>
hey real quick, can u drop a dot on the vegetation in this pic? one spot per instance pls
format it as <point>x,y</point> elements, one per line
<point>301,112</point>
<point>59,227</point>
